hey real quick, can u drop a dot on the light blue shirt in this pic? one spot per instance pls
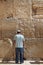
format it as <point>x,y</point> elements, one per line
<point>19,38</point>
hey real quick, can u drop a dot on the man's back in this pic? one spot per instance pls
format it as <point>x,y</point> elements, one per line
<point>19,38</point>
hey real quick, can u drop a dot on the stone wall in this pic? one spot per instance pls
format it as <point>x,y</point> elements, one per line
<point>19,14</point>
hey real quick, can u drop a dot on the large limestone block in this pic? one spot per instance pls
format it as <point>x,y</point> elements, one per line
<point>7,50</point>
<point>21,8</point>
<point>6,8</point>
<point>37,6</point>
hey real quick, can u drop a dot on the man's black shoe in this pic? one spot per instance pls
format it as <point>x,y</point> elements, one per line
<point>16,63</point>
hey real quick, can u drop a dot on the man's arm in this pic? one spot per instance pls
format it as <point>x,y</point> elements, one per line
<point>14,40</point>
<point>14,43</point>
<point>23,41</point>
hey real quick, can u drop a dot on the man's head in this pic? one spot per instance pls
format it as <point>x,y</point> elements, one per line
<point>18,31</point>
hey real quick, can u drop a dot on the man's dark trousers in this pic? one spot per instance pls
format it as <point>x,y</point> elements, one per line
<point>19,55</point>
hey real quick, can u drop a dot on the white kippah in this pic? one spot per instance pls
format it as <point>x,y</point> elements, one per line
<point>18,30</point>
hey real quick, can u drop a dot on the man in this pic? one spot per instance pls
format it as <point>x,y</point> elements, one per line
<point>19,40</point>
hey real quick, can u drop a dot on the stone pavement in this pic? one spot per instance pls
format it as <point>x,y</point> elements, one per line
<point>25,63</point>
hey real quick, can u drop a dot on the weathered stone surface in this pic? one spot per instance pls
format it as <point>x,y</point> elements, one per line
<point>37,7</point>
<point>18,14</point>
